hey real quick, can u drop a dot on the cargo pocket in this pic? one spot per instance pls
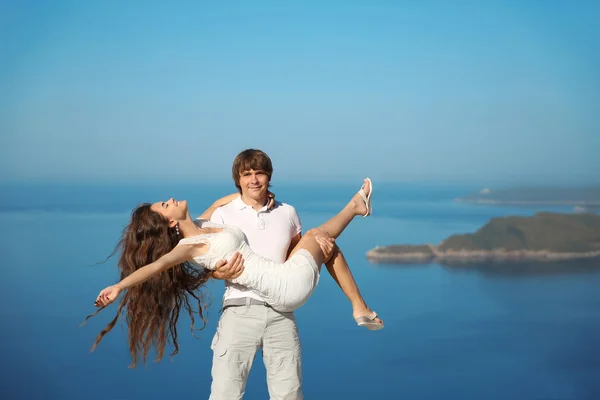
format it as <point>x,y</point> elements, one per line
<point>219,351</point>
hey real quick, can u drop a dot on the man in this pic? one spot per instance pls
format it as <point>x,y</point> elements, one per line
<point>247,322</point>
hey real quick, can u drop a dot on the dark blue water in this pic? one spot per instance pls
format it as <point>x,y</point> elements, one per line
<point>484,332</point>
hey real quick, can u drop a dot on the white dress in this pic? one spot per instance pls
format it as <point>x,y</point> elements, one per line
<point>284,286</point>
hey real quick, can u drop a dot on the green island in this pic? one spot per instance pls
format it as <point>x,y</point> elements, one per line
<point>543,237</point>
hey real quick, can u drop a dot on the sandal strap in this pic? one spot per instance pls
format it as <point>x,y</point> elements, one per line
<point>370,316</point>
<point>363,195</point>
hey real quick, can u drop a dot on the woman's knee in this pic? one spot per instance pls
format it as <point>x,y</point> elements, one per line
<point>314,232</point>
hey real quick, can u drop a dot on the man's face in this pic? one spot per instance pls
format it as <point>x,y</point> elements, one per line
<point>254,184</point>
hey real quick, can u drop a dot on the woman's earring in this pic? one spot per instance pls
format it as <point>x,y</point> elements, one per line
<point>177,229</point>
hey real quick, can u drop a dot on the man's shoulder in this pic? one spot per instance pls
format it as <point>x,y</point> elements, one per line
<point>287,212</point>
<point>229,206</point>
<point>283,206</point>
<point>235,205</point>
<point>224,213</point>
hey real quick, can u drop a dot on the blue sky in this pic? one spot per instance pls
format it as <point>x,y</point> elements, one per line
<point>477,91</point>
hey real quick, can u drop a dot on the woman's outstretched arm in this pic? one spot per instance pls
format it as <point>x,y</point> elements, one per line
<point>176,256</point>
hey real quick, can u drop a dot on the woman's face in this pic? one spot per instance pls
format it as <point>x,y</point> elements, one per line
<point>172,209</point>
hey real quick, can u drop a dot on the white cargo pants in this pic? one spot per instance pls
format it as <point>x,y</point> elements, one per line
<point>241,331</point>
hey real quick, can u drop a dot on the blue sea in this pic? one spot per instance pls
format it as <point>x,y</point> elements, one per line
<point>484,332</point>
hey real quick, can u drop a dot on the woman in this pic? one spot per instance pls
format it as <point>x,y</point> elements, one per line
<point>151,245</point>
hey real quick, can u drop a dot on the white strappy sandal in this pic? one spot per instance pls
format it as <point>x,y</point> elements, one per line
<point>368,321</point>
<point>367,197</point>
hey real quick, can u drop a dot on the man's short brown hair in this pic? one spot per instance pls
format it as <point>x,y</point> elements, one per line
<point>250,159</point>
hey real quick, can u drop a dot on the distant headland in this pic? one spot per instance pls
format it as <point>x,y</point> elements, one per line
<point>543,237</point>
<point>580,197</point>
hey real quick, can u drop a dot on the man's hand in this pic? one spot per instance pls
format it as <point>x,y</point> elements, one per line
<point>228,270</point>
<point>327,245</point>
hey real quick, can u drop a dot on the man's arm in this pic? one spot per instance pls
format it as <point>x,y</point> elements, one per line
<point>293,244</point>
<point>296,226</point>
<point>228,269</point>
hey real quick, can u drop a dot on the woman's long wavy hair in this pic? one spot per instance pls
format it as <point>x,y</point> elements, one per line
<point>152,308</point>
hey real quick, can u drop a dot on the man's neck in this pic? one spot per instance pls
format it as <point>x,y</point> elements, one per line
<point>255,204</point>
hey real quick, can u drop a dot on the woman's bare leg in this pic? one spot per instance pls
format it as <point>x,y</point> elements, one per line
<point>340,272</point>
<point>334,227</point>
<point>356,206</point>
<point>337,265</point>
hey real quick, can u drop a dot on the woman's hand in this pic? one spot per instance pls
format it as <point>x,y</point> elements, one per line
<point>228,270</point>
<point>327,245</point>
<point>270,200</point>
<point>107,296</point>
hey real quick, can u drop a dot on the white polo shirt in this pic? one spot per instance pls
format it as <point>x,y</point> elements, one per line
<point>269,234</point>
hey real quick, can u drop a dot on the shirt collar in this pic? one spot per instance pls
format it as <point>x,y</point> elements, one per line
<point>240,205</point>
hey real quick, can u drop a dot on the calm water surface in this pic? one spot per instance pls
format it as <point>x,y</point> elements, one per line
<point>485,332</point>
